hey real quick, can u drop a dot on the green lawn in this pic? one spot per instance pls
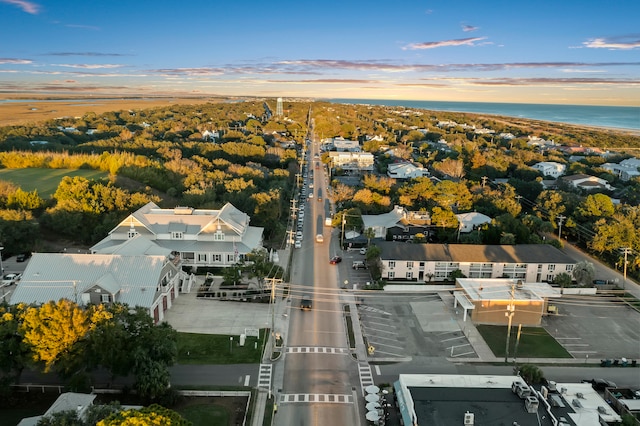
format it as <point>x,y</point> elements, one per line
<point>218,349</point>
<point>46,181</point>
<point>205,415</point>
<point>535,342</point>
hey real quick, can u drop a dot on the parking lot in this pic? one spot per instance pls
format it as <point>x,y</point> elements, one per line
<point>596,329</point>
<point>409,326</point>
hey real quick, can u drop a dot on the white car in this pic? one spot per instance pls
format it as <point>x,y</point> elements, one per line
<point>299,235</point>
<point>11,278</point>
<point>298,244</point>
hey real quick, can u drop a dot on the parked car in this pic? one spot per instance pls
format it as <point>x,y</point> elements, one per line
<point>23,256</point>
<point>298,244</point>
<point>11,278</point>
<point>363,250</point>
<point>335,260</point>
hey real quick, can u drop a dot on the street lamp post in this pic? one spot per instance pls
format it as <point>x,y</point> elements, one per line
<point>344,221</point>
<point>1,267</point>
<point>511,309</point>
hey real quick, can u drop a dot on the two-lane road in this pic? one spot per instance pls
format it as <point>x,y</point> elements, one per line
<point>319,374</point>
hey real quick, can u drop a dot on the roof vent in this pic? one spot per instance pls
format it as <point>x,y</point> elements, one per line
<point>602,410</point>
<point>576,403</point>
<point>469,418</point>
<point>580,395</point>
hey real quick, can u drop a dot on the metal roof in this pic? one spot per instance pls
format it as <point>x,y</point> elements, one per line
<point>54,276</point>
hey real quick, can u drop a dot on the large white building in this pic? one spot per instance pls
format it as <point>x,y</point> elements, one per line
<point>149,281</point>
<point>201,238</point>
<point>353,161</point>
<point>436,262</point>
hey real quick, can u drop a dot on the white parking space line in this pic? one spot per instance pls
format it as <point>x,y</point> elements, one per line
<point>453,338</point>
<point>382,324</point>
<point>377,368</point>
<point>246,380</point>
<point>394,331</point>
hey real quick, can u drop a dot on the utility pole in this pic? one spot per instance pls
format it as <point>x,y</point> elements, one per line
<point>511,309</point>
<point>561,219</point>
<point>515,350</point>
<point>344,221</point>
<point>484,181</point>
<point>626,251</point>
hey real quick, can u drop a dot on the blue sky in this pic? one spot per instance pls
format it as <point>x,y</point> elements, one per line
<point>567,51</point>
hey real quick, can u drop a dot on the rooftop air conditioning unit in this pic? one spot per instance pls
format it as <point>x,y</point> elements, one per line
<point>468,419</point>
<point>531,404</point>
<point>576,403</point>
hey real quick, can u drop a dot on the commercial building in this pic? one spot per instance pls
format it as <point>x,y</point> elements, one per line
<point>436,262</point>
<point>445,400</point>
<point>209,238</point>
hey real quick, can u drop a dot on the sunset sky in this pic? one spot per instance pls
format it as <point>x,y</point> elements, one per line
<point>567,51</point>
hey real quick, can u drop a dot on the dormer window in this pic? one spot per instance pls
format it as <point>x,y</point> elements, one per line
<point>218,236</point>
<point>132,233</point>
<point>177,235</point>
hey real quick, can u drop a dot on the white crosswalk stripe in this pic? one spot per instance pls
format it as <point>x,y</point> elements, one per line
<point>264,376</point>
<point>316,398</point>
<point>366,377</point>
<point>316,350</point>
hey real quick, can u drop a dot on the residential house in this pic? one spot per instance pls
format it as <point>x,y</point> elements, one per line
<point>539,142</point>
<point>406,170</point>
<point>352,161</point>
<point>625,170</point>
<point>421,262</point>
<point>587,183</point>
<point>211,136</point>
<point>201,238</point>
<point>398,224</point>
<point>550,168</point>
<point>151,282</point>
<point>68,401</point>
<point>471,221</point>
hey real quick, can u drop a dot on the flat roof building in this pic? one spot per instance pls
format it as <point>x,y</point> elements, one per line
<point>447,399</point>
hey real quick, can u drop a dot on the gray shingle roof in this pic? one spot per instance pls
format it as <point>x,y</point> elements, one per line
<point>521,253</point>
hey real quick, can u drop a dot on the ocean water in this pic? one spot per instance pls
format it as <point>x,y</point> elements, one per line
<point>601,116</point>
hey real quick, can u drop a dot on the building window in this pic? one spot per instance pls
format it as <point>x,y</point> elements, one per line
<point>392,264</point>
<point>132,233</point>
<point>409,275</point>
<point>392,275</point>
<point>177,235</point>
<point>552,268</point>
<point>202,257</point>
<point>217,258</point>
<point>550,278</point>
<point>231,258</point>
<point>105,298</point>
<point>409,265</point>
<point>421,265</point>
<point>218,236</point>
<point>569,268</point>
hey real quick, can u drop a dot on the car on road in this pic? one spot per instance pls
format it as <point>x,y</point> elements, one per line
<point>359,264</point>
<point>299,235</point>
<point>11,278</point>
<point>305,302</point>
<point>319,238</point>
<point>363,250</point>
<point>335,260</point>
<point>298,244</point>
<point>23,256</point>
